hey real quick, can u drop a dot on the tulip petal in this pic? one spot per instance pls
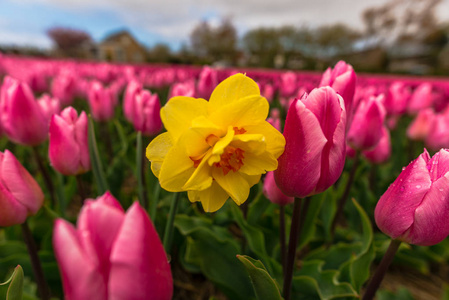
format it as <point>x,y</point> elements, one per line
<point>80,278</point>
<point>300,164</point>
<point>395,211</point>
<point>139,266</point>
<point>431,226</point>
<point>12,212</point>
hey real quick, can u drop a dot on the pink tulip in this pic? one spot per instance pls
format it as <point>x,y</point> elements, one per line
<point>420,127</point>
<point>366,129</point>
<point>422,98</point>
<point>207,81</point>
<point>64,87</point>
<point>415,208</point>
<point>288,84</point>
<point>275,118</point>
<point>21,116</point>
<point>186,89</point>
<point>343,80</point>
<point>49,106</point>
<point>315,151</point>
<point>273,193</point>
<point>132,89</point>
<point>146,114</point>
<point>111,254</point>
<point>20,195</point>
<point>102,102</point>
<point>438,135</point>
<point>397,98</point>
<point>382,151</point>
<point>68,148</point>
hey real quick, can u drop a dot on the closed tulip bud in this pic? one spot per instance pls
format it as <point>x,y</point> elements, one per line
<point>415,208</point>
<point>134,87</point>
<point>315,149</point>
<point>420,127</point>
<point>382,151</point>
<point>186,89</point>
<point>22,119</point>
<point>102,102</point>
<point>68,149</point>
<point>366,128</point>
<point>273,193</point>
<point>275,118</point>
<point>111,254</point>
<point>438,135</point>
<point>343,80</point>
<point>288,84</point>
<point>147,117</point>
<point>207,81</point>
<point>397,98</point>
<point>421,98</point>
<point>20,195</point>
<point>49,106</point>
<point>64,87</point>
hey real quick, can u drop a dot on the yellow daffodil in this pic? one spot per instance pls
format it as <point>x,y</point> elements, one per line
<point>219,148</point>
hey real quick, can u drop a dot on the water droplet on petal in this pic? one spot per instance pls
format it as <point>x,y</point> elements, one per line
<point>441,190</point>
<point>418,186</point>
<point>402,188</point>
<point>403,168</point>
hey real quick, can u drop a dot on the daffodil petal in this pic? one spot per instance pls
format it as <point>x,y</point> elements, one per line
<point>251,179</point>
<point>223,142</point>
<point>254,143</point>
<point>231,89</point>
<point>157,150</point>
<point>176,169</point>
<point>274,140</point>
<point>212,198</point>
<point>239,113</point>
<point>258,164</point>
<point>178,114</point>
<point>233,183</point>
<point>202,177</point>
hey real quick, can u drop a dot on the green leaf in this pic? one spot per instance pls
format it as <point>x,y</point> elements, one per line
<point>264,286</point>
<point>308,231</point>
<point>97,167</point>
<point>16,286</point>
<point>401,294</point>
<point>312,282</point>
<point>213,250</point>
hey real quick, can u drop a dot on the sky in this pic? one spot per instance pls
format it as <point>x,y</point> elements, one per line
<point>25,22</point>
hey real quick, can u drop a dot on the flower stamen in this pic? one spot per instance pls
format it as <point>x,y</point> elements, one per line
<point>231,159</point>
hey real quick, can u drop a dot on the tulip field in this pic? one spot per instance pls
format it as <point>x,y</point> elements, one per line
<point>167,182</point>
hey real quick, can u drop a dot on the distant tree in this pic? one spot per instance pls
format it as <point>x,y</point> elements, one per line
<point>263,44</point>
<point>160,53</point>
<point>215,43</point>
<point>335,39</point>
<point>67,40</point>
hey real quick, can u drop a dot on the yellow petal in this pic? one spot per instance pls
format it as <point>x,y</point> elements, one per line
<point>254,143</point>
<point>241,112</point>
<point>231,89</point>
<point>274,140</point>
<point>212,198</point>
<point>157,150</point>
<point>258,164</point>
<point>233,183</point>
<point>223,142</point>
<point>202,177</point>
<point>178,113</point>
<point>176,169</point>
<point>251,179</point>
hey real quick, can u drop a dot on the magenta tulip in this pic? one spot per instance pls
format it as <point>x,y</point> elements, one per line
<point>49,106</point>
<point>315,151</point>
<point>366,129</point>
<point>382,151</point>
<point>186,89</point>
<point>21,116</point>
<point>132,89</point>
<point>146,113</point>
<point>438,134</point>
<point>102,102</point>
<point>421,98</point>
<point>207,81</point>
<point>112,255</point>
<point>343,80</point>
<point>64,87</point>
<point>68,148</point>
<point>415,208</point>
<point>20,195</point>
<point>420,127</point>
<point>273,193</point>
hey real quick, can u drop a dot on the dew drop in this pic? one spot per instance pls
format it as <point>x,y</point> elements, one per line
<point>403,168</point>
<point>402,188</point>
<point>441,190</point>
<point>418,186</point>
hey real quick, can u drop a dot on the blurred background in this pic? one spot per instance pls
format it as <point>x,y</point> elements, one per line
<point>397,36</point>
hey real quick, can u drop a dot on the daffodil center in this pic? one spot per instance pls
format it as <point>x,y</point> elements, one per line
<point>231,159</point>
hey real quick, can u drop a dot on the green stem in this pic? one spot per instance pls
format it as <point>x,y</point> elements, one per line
<point>291,254</point>
<point>61,194</point>
<point>153,208</point>
<point>141,172</point>
<point>35,262</point>
<point>381,270</point>
<point>45,175</point>
<point>344,197</point>
<point>168,235</point>
<point>97,167</point>
<point>282,235</point>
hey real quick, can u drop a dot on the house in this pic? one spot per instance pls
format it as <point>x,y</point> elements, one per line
<point>121,46</point>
